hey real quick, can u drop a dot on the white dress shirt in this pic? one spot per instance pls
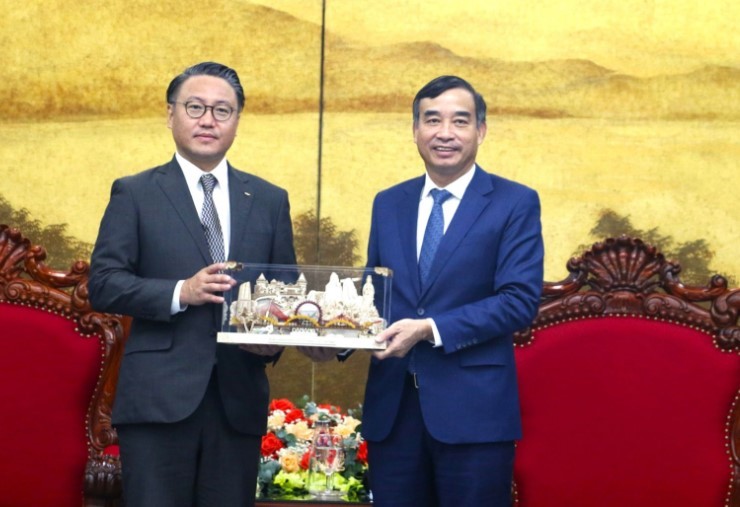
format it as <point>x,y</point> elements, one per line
<point>192,175</point>
<point>457,188</point>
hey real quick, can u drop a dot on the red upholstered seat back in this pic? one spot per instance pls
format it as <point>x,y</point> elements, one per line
<point>624,412</point>
<point>58,372</point>
<point>48,373</point>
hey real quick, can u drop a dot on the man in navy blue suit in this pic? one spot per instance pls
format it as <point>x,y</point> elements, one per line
<point>441,410</point>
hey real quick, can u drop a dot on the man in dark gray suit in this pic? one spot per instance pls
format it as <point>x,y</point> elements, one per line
<point>189,412</point>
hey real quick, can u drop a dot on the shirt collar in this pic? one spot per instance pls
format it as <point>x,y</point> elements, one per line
<point>193,173</point>
<point>456,188</point>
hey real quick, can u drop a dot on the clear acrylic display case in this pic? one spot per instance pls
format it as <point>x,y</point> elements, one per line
<point>322,306</point>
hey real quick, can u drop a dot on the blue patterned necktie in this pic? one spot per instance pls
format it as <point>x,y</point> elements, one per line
<point>211,223</point>
<point>433,234</point>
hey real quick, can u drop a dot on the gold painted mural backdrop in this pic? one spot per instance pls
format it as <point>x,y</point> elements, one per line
<point>624,115</point>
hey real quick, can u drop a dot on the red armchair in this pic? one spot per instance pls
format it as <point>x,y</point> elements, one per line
<point>629,384</point>
<point>58,368</point>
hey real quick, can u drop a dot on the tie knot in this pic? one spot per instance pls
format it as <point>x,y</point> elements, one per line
<point>439,195</point>
<point>209,182</point>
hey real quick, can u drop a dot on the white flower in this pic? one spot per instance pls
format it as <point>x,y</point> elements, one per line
<point>276,420</point>
<point>300,429</point>
<point>347,426</point>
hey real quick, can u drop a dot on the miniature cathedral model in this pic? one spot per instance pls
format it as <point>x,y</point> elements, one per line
<point>287,308</point>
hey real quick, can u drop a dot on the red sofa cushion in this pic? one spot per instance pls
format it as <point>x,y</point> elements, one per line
<point>624,411</point>
<point>48,373</point>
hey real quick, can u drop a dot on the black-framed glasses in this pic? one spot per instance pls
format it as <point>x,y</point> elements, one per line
<point>195,110</point>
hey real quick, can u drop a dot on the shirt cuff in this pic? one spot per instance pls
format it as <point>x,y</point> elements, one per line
<point>437,338</point>
<point>175,306</point>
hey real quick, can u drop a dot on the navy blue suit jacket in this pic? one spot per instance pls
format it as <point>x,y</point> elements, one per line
<point>151,237</point>
<point>486,282</point>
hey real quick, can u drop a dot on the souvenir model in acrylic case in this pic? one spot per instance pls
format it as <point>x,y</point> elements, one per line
<point>322,306</point>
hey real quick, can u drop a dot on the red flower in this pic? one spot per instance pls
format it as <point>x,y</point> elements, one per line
<point>271,444</point>
<point>362,452</point>
<point>305,460</point>
<point>293,415</point>
<point>281,404</point>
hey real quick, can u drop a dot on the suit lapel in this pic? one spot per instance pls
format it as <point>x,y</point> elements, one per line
<point>173,184</point>
<point>476,199</point>
<point>241,197</point>
<point>408,210</point>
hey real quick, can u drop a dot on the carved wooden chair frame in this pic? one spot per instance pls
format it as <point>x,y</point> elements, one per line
<point>626,277</point>
<point>26,280</point>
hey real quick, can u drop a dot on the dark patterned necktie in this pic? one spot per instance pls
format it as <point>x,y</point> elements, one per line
<point>209,218</point>
<point>433,234</point>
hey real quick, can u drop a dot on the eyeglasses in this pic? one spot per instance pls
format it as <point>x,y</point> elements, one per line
<point>195,110</point>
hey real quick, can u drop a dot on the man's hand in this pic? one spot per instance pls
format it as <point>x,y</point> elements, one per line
<point>403,335</point>
<point>318,354</point>
<point>206,286</point>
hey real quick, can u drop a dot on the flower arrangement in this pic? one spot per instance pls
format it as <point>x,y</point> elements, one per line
<point>283,471</point>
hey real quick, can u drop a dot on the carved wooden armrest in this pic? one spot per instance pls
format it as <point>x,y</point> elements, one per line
<point>103,480</point>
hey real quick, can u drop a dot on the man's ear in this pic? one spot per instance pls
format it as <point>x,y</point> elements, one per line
<point>482,130</point>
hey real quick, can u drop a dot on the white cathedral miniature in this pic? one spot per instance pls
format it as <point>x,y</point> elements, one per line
<point>277,306</point>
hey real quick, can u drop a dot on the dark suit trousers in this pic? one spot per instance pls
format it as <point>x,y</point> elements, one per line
<point>198,462</point>
<point>412,469</point>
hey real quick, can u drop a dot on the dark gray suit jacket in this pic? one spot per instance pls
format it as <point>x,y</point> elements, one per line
<point>151,237</point>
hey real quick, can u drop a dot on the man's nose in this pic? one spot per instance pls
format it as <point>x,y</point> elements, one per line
<point>444,131</point>
<point>207,118</point>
